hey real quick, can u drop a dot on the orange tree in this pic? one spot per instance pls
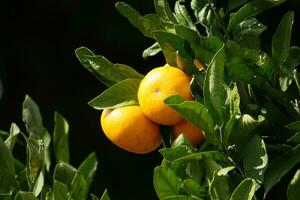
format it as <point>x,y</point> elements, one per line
<point>245,101</point>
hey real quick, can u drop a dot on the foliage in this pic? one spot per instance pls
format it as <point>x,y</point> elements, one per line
<point>37,177</point>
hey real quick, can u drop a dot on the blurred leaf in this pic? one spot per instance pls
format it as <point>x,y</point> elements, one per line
<point>105,195</point>
<point>295,126</point>
<point>282,38</point>
<point>7,170</point>
<point>60,138</point>
<point>233,4</point>
<point>152,50</point>
<point>196,113</point>
<point>147,24</point>
<point>295,138</point>
<point>32,118</point>
<point>79,188</point>
<point>164,11</point>
<point>244,191</point>
<point>11,140</point>
<point>1,89</point>
<point>172,45</point>
<point>25,196</point>
<point>47,149</point>
<point>192,188</point>
<point>250,10</point>
<point>121,94</point>
<point>293,191</point>
<point>64,173</point>
<point>165,181</point>
<point>182,15</point>
<point>94,197</point>
<point>234,100</point>
<point>280,166</point>
<point>88,168</point>
<point>178,197</point>
<point>59,191</point>
<point>35,158</point>
<point>255,159</point>
<point>214,91</point>
<point>38,185</point>
<point>106,72</point>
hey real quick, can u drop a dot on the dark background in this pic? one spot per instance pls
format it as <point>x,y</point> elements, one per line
<point>37,43</point>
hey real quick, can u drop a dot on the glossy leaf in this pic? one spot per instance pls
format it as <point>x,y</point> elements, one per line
<point>60,138</point>
<point>293,191</point>
<point>152,50</point>
<point>79,188</point>
<point>255,160</point>
<point>60,191</point>
<point>121,94</point>
<point>38,185</point>
<point>282,38</point>
<point>214,91</point>
<point>165,181</point>
<point>147,24</point>
<point>213,155</point>
<point>233,4</point>
<point>11,140</point>
<point>279,167</point>
<point>244,191</point>
<point>182,15</point>
<point>196,113</point>
<point>193,189</point>
<point>105,71</point>
<point>32,118</point>
<point>250,10</point>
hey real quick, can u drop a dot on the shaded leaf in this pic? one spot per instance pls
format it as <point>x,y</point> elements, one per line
<point>59,191</point>
<point>11,140</point>
<point>244,191</point>
<point>193,189</point>
<point>182,15</point>
<point>64,173</point>
<point>152,50</point>
<point>213,155</point>
<point>105,195</point>
<point>121,94</point>
<point>163,9</point>
<point>88,168</point>
<point>25,196</point>
<point>293,191</point>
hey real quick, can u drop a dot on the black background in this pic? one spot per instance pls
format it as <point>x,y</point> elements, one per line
<point>37,43</point>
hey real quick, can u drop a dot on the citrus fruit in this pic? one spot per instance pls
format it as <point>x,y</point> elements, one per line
<point>192,132</point>
<point>159,84</point>
<point>129,128</point>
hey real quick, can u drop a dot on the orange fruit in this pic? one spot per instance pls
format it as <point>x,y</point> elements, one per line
<point>192,132</point>
<point>130,129</point>
<point>159,84</point>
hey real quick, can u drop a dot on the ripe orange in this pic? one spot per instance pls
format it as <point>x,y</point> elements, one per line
<point>159,84</point>
<point>130,129</point>
<point>192,132</point>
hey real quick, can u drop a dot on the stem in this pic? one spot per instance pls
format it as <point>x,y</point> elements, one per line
<point>219,19</point>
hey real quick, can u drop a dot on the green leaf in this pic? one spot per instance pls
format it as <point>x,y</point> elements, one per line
<point>282,38</point>
<point>94,197</point>
<point>213,155</point>
<point>25,196</point>
<point>152,50</point>
<point>163,9</point>
<point>47,149</point>
<point>64,173</point>
<point>11,140</point>
<point>79,188</point>
<point>233,4</point>
<point>244,127</point>
<point>182,140</point>
<point>293,191</point>
<point>234,100</point>
<point>172,45</point>
<point>183,16</point>
<point>174,153</point>
<point>229,128</point>
<point>196,113</point>
<point>255,160</point>
<point>204,15</point>
<point>244,191</point>
<point>121,94</point>
<point>295,138</point>
<point>295,126</point>
<point>214,91</point>
<point>147,24</point>
<point>105,195</point>
<point>88,168</point>
<point>106,72</point>
<point>60,139</point>
<point>59,191</point>
<point>38,185</point>
<point>250,10</point>
<point>7,170</point>
<point>32,118</point>
<point>35,159</point>
<point>192,188</point>
<point>165,181</point>
<point>279,167</point>
<point>178,197</point>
